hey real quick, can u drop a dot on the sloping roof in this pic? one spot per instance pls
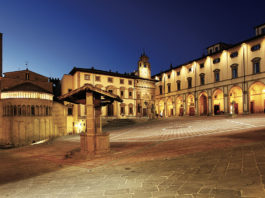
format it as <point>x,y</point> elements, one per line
<point>78,95</point>
<point>27,86</point>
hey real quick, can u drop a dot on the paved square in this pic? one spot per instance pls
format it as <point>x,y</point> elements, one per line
<point>174,157</point>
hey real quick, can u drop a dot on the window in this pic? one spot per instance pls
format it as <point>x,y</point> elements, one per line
<point>168,87</point>
<point>130,94</point>
<point>160,89</point>
<point>202,65</point>
<point>130,82</point>
<point>256,65</point>
<point>168,76</point>
<point>216,49</point>
<point>138,96</point>
<point>110,91</point>
<point>70,110</point>
<point>32,110</point>
<point>122,110</point>
<point>211,51</point>
<point>178,85</point>
<point>27,76</point>
<point>138,108</point>
<point>202,79</point>
<point>217,60</point>
<point>110,80</point>
<point>189,82</point>
<point>263,31</point>
<point>217,75</point>
<point>97,78</point>
<point>234,70</point>
<point>190,69</point>
<point>121,81</point>
<point>87,77</point>
<point>122,93</point>
<point>130,110</point>
<point>255,47</point>
<point>234,54</point>
<point>178,73</point>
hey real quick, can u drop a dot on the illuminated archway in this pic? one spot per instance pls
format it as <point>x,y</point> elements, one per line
<point>170,107</point>
<point>218,102</point>
<point>161,107</point>
<point>256,97</point>
<point>203,104</point>
<point>236,100</point>
<point>190,105</point>
<point>179,106</point>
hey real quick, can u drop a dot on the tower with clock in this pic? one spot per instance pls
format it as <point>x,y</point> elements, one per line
<point>144,68</point>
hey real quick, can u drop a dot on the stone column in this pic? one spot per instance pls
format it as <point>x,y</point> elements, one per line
<point>97,107</point>
<point>245,102</point>
<point>226,109</point>
<point>210,105</point>
<point>196,104</point>
<point>90,114</point>
<point>174,107</point>
<point>184,105</point>
<point>165,109</point>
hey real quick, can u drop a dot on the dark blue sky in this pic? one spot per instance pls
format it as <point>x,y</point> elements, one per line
<point>53,36</point>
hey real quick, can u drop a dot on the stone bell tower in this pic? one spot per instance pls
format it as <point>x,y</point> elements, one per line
<point>144,67</point>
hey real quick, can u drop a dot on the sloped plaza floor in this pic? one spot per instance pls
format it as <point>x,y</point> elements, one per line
<point>217,157</point>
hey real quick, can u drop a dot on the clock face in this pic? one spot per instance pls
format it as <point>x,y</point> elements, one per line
<point>144,73</point>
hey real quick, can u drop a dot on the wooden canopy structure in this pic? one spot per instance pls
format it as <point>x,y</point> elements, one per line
<point>78,96</point>
<point>93,141</point>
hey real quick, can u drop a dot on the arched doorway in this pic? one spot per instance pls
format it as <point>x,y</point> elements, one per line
<point>203,110</point>
<point>236,100</point>
<point>218,102</point>
<point>190,105</point>
<point>161,108</point>
<point>169,107</point>
<point>256,97</point>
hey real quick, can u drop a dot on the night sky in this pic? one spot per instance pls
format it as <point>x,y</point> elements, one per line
<point>53,36</point>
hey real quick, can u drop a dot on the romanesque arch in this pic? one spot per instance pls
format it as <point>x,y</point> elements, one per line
<point>257,97</point>
<point>203,103</point>
<point>179,106</point>
<point>170,111</point>
<point>236,100</point>
<point>218,102</point>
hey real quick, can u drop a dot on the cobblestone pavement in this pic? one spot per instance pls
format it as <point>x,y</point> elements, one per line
<point>226,159</point>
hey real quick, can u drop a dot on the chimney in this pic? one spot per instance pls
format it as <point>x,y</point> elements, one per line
<point>1,54</point>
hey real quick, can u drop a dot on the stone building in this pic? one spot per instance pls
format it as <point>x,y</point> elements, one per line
<point>28,113</point>
<point>229,79</point>
<point>137,90</point>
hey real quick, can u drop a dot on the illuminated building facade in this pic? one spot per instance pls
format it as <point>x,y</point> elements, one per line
<point>230,79</point>
<point>137,90</point>
<point>28,113</point>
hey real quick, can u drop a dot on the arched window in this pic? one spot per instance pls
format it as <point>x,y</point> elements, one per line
<point>14,110</point>
<point>47,111</point>
<point>32,110</point>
